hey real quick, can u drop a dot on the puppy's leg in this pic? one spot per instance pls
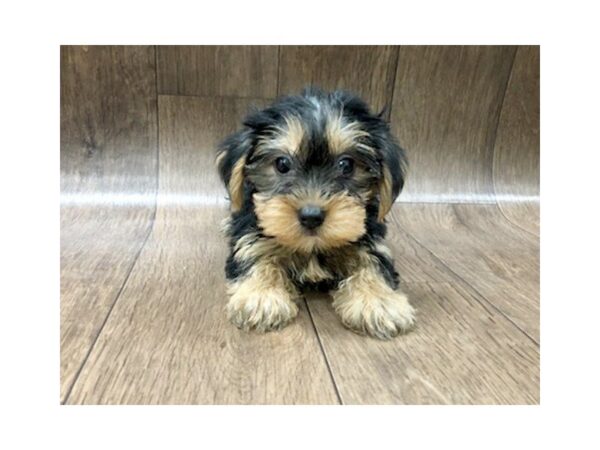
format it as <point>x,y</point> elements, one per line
<point>368,303</point>
<point>263,299</point>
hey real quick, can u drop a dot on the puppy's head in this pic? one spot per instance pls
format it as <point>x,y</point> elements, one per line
<point>313,167</point>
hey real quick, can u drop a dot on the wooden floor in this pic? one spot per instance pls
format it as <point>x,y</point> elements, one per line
<point>142,279</point>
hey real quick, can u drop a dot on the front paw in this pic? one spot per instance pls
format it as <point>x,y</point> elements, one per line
<point>382,316</point>
<point>263,310</point>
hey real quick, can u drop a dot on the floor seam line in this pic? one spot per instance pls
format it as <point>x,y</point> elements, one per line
<point>479,294</point>
<point>312,321</point>
<point>112,306</point>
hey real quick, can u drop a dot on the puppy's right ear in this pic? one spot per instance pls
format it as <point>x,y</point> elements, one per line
<point>231,160</point>
<point>393,169</point>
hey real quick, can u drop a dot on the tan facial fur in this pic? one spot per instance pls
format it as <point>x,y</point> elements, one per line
<point>368,305</point>
<point>278,217</point>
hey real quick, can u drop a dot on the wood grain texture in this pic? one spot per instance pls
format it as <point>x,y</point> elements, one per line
<point>108,163</point>
<point>167,339</point>
<point>238,71</point>
<point>465,349</point>
<point>478,244</point>
<point>108,122</point>
<point>447,101</point>
<point>365,70</point>
<point>517,148</point>
<point>460,353</point>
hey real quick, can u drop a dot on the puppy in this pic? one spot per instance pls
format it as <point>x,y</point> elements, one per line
<point>310,181</point>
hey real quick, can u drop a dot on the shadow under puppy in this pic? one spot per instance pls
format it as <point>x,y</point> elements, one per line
<point>310,180</point>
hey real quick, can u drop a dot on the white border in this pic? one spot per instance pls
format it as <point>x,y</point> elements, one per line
<point>30,224</point>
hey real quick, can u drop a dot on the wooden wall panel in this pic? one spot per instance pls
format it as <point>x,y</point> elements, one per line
<point>447,101</point>
<point>108,185</point>
<point>237,71</point>
<point>108,120</point>
<point>365,70</point>
<point>517,149</point>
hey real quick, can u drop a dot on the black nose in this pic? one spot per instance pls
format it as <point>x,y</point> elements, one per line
<point>311,216</point>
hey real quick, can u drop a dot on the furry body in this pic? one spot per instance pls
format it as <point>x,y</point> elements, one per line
<point>310,180</point>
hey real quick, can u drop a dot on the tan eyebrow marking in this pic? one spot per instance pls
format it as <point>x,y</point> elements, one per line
<point>342,135</point>
<point>288,138</point>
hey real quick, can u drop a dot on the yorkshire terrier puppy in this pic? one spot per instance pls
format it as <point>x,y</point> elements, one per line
<point>310,181</point>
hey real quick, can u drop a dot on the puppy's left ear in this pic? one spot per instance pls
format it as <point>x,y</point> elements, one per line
<point>231,160</point>
<point>393,169</point>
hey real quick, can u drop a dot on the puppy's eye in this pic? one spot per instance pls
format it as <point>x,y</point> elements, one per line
<point>346,165</point>
<point>283,164</point>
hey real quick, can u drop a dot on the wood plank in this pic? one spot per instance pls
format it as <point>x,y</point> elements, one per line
<point>365,70</point>
<point>481,247</point>
<point>447,101</point>
<point>222,70</point>
<point>108,185</point>
<point>517,149</point>
<point>460,353</point>
<point>167,339</point>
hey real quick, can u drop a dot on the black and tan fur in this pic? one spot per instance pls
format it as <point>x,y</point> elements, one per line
<point>328,152</point>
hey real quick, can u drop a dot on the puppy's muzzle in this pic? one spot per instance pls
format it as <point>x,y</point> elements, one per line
<point>311,216</point>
